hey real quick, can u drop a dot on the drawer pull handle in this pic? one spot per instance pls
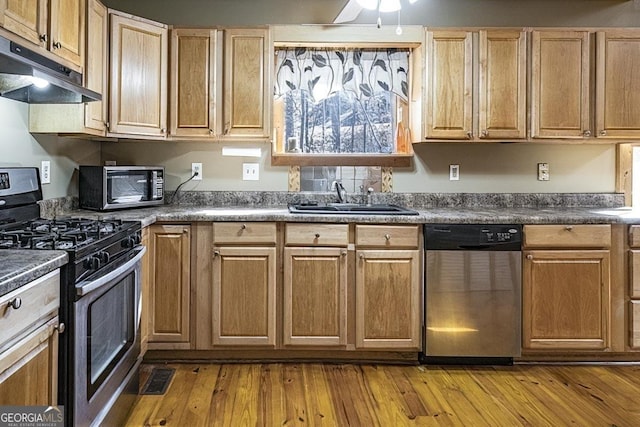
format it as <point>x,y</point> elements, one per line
<point>569,227</point>
<point>317,235</point>
<point>387,237</point>
<point>60,328</point>
<point>57,45</point>
<point>529,256</point>
<point>15,303</point>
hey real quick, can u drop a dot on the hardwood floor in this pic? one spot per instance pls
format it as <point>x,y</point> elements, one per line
<point>386,395</point>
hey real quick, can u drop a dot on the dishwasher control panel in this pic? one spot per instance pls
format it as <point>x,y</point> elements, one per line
<point>473,236</point>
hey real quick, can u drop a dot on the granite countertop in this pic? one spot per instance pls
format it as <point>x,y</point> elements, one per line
<point>19,267</point>
<point>451,215</point>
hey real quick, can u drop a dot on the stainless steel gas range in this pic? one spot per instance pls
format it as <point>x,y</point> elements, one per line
<point>99,352</point>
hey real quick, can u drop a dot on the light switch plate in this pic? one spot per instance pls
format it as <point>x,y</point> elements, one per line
<point>250,171</point>
<point>454,172</point>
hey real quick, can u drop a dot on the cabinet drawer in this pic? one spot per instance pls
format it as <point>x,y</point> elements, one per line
<point>567,236</point>
<point>317,234</point>
<point>37,300</point>
<point>244,232</point>
<point>634,326</point>
<point>394,236</point>
<point>634,236</point>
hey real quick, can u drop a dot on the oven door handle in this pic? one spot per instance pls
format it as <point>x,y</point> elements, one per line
<point>83,288</point>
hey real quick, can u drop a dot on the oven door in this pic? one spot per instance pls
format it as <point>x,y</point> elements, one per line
<point>106,337</point>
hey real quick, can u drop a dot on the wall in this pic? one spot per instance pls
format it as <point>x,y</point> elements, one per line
<point>19,148</point>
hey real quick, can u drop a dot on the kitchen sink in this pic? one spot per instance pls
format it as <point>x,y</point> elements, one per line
<point>351,208</point>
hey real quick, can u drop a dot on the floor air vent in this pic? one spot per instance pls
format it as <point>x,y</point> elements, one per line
<point>158,381</point>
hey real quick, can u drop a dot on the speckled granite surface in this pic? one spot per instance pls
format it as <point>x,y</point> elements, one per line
<point>19,267</point>
<point>520,208</point>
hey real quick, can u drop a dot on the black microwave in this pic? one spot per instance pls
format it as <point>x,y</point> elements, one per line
<point>106,188</point>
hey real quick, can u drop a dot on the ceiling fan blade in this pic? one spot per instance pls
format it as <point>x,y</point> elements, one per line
<point>349,12</point>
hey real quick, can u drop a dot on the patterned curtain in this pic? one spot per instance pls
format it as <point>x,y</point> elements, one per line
<point>322,72</point>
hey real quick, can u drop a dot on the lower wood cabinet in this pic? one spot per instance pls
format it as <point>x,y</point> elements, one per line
<point>169,287</point>
<point>29,343</point>
<point>244,296</point>
<point>315,296</point>
<point>566,291</point>
<point>388,290</point>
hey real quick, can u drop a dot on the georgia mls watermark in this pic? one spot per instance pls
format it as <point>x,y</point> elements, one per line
<point>32,416</point>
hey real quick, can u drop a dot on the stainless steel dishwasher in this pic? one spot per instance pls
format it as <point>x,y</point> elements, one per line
<point>473,293</point>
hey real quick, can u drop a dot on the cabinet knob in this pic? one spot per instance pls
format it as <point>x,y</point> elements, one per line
<point>57,45</point>
<point>469,135</point>
<point>61,327</point>
<point>226,128</point>
<point>361,256</point>
<point>387,237</point>
<point>15,303</point>
<point>243,226</point>
<point>529,256</point>
<point>43,38</point>
<point>163,130</point>
<point>484,133</point>
<point>317,235</point>
<point>216,253</point>
<point>586,133</point>
<point>185,231</point>
<point>603,133</point>
<point>343,253</point>
<point>569,227</point>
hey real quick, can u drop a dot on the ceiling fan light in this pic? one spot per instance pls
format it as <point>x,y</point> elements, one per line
<point>368,4</point>
<point>390,5</point>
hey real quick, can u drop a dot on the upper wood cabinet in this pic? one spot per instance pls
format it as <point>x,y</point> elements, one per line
<point>448,87</point>
<point>138,76</point>
<point>96,68</point>
<point>500,88</point>
<point>247,89</point>
<point>194,58</point>
<point>618,84</point>
<point>55,25</point>
<point>502,85</point>
<point>560,84</point>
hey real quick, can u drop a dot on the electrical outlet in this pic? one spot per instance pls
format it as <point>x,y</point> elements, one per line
<point>543,171</point>
<point>196,168</point>
<point>250,172</point>
<point>454,172</point>
<point>45,172</point>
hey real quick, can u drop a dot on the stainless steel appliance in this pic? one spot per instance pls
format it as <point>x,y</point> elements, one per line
<point>99,352</point>
<point>27,76</point>
<point>105,188</point>
<point>473,292</point>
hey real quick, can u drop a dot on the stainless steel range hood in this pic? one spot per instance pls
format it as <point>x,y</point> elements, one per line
<point>21,67</point>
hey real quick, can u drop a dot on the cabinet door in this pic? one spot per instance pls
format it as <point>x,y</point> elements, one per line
<point>138,70</point>
<point>566,300</point>
<point>95,72</point>
<point>560,84</point>
<point>244,296</point>
<point>618,84</point>
<point>388,296</point>
<point>193,77</point>
<point>26,18</point>
<point>449,85</point>
<point>315,297</point>
<point>29,369</point>
<point>247,83</point>
<point>502,84</point>
<point>66,37</point>
<point>634,327</point>
<point>170,284</point>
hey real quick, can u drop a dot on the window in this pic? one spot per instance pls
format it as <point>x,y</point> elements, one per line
<point>341,100</point>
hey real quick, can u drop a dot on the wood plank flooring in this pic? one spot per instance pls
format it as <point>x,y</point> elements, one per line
<point>297,394</point>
